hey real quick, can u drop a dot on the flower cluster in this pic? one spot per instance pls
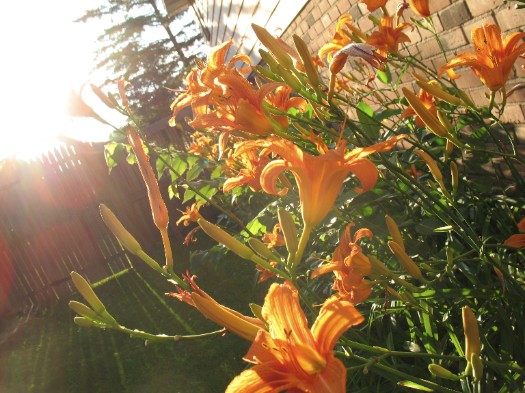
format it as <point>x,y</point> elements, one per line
<point>323,147</point>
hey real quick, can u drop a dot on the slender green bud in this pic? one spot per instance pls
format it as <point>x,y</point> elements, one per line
<point>83,310</point>
<point>257,311</point>
<point>394,231</point>
<point>379,267</point>
<point>289,78</point>
<point>109,101</point>
<point>85,322</point>
<point>289,230</point>
<point>87,293</point>
<point>306,57</point>
<point>454,172</point>
<point>224,238</point>
<point>260,248</point>
<point>268,59</point>
<point>441,372</point>
<point>437,92</point>
<point>477,367</point>
<point>470,326</point>
<point>115,226</point>
<point>466,98</point>
<point>270,42</point>
<point>408,264</point>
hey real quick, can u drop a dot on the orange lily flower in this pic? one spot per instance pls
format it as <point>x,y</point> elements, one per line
<point>274,239</point>
<point>494,57</point>
<point>202,89</point>
<point>349,266</point>
<point>427,100</point>
<point>241,325</point>
<point>321,177</point>
<point>387,37</point>
<point>517,240</point>
<point>373,5</point>
<point>342,37</point>
<point>421,7</point>
<point>191,214</point>
<point>248,167</point>
<point>292,357</point>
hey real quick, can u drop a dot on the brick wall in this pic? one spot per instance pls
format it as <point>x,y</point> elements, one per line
<point>454,20</point>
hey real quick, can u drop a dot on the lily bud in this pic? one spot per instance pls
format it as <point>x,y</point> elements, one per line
<point>83,310</point>
<point>434,169</point>
<point>270,42</point>
<point>260,248</point>
<point>289,230</point>
<point>394,231</point>
<point>408,264</point>
<point>87,293</point>
<point>441,372</point>
<point>477,367</point>
<point>109,101</point>
<point>85,322</point>
<point>379,267</point>
<point>306,57</point>
<point>158,207</point>
<point>115,226</point>
<point>224,238</point>
<point>454,172</point>
<point>225,317</point>
<point>436,91</point>
<point>426,116</point>
<point>470,326</point>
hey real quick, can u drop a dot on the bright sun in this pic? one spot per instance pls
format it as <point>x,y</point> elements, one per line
<point>46,56</point>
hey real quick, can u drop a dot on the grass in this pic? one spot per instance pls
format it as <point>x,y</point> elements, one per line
<point>52,354</point>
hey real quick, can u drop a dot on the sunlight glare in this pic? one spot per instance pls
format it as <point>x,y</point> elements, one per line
<point>47,56</point>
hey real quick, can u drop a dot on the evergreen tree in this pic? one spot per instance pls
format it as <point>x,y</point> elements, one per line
<point>149,49</point>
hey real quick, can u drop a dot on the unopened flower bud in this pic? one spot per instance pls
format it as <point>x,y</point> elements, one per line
<point>224,238</point>
<point>394,231</point>
<point>470,326</point>
<point>426,116</point>
<point>477,366</point>
<point>436,91</point>
<point>83,310</point>
<point>441,372</point>
<point>115,226</point>
<point>85,322</point>
<point>404,260</point>
<point>270,42</point>
<point>87,293</point>
<point>306,57</point>
<point>289,230</point>
<point>262,249</point>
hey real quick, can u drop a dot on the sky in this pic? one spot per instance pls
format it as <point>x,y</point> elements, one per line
<point>45,55</point>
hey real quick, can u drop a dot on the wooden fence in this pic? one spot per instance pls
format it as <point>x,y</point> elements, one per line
<point>50,223</point>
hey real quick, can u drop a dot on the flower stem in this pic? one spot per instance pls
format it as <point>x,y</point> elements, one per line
<point>305,236</point>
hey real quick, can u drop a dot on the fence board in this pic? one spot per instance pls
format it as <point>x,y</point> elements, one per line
<point>50,222</point>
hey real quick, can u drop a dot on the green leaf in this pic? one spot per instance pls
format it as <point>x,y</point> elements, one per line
<point>194,172</point>
<point>384,76</point>
<point>188,196</point>
<point>208,191</point>
<point>415,386</point>
<point>366,117</point>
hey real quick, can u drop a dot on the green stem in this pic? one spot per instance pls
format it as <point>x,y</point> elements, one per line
<point>162,337</point>
<point>305,236</point>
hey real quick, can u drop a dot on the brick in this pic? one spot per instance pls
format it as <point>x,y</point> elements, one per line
<point>518,96</point>
<point>453,39</point>
<point>355,12</point>
<point>513,114</point>
<point>324,6</point>
<point>365,24</point>
<point>334,14</point>
<point>428,48</point>
<point>468,79</point>
<point>479,7</point>
<point>326,21</point>
<point>437,5</point>
<point>316,13</point>
<point>509,18</point>
<point>479,96</point>
<point>454,15</point>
